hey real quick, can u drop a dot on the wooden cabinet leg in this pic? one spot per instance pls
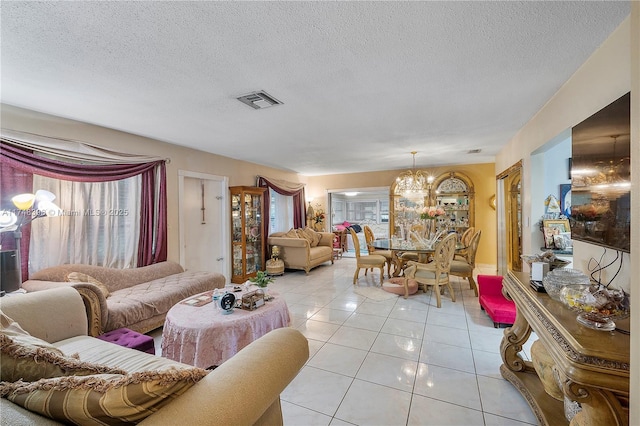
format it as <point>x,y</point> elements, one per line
<point>599,406</point>
<point>511,345</point>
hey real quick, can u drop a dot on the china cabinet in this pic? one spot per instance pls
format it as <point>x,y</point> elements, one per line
<point>247,238</point>
<point>452,191</point>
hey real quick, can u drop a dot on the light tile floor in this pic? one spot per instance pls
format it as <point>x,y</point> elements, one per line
<point>394,362</point>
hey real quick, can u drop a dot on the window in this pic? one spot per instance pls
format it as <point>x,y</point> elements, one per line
<point>100,224</point>
<point>366,207</point>
<point>280,212</point>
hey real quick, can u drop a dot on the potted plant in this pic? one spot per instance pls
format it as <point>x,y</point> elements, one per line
<point>262,279</point>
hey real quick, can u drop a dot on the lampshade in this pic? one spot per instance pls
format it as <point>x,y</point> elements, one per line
<point>23,201</point>
<point>49,208</point>
<point>7,218</point>
<point>44,195</point>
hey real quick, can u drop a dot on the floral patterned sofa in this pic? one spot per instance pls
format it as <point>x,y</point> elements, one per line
<point>136,298</point>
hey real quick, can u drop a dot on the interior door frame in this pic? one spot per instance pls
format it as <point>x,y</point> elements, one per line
<point>506,211</point>
<point>223,185</point>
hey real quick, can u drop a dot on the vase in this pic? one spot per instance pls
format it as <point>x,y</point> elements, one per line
<point>318,227</point>
<point>429,228</point>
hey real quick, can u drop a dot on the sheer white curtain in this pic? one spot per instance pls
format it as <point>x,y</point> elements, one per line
<point>100,224</point>
<point>281,212</point>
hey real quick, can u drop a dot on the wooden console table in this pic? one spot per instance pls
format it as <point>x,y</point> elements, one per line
<point>593,365</point>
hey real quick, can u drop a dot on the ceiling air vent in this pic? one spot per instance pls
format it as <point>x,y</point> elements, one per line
<point>474,151</point>
<point>259,100</point>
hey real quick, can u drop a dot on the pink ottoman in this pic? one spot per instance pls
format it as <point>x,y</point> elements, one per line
<point>130,339</point>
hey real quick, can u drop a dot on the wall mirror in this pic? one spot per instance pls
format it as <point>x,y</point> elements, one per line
<point>509,209</point>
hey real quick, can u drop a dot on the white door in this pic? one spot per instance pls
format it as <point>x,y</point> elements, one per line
<point>204,239</point>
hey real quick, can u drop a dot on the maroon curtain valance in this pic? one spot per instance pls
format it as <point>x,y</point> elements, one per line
<point>27,161</point>
<point>299,211</point>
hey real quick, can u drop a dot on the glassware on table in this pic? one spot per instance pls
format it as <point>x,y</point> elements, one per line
<point>598,306</point>
<point>555,280</point>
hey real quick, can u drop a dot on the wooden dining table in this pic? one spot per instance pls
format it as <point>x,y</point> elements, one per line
<point>397,246</point>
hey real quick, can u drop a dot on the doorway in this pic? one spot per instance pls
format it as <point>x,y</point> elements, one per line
<point>203,217</point>
<point>509,203</point>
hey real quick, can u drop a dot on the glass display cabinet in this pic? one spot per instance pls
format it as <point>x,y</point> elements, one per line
<point>247,238</point>
<point>452,191</point>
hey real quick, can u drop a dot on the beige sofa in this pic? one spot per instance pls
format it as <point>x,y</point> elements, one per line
<point>297,253</point>
<point>139,298</point>
<point>244,390</point>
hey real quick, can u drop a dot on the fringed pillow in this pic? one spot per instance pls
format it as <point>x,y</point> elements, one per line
<point>102,399</point>
<point>25,357</point>
<point>291,233</point>
<point>310,235</point>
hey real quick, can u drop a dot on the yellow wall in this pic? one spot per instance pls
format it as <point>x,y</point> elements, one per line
<point>610,72</point>
<point>482,176</point>
<point>239,172</point>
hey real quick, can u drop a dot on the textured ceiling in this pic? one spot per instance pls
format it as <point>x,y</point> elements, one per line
<point>363,83</point>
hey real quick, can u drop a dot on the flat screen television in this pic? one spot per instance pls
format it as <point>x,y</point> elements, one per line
<point>601,177</point>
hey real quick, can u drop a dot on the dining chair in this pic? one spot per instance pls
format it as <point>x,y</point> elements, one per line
<point>367,261</point>
<point>388,254</point>
<point>465,240</point>
<point>464,267</point>
<point>435,273</point>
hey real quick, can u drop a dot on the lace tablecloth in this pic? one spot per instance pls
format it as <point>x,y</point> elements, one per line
<point>203,336</point>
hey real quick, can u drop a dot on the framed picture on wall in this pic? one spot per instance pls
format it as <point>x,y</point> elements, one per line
<point>565,199</point>
<point>551,228</point>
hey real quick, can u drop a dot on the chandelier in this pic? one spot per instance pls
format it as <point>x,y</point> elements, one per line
<point>413,183</point>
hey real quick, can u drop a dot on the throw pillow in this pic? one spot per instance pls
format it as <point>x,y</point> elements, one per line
<point>292,233</point>
<point>103,398</point>
<point>310,235</point>
<point>79,277</point>
<point>25,357</point>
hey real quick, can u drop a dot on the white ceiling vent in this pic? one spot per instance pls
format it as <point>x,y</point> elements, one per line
<point>259,100</point>
<point>474,151</point>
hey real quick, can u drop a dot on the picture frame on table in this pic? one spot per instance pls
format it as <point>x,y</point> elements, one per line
<point>553,227</point>
<point>565,199</point>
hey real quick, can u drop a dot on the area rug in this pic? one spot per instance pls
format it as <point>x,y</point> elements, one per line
<point>374,293</point>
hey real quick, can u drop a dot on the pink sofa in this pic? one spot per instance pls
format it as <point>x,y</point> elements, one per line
<point>499,308</point>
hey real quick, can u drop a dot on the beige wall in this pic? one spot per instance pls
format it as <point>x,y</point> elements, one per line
<point>482,176</point>
<point>239,172</point>
<point>603,78</point>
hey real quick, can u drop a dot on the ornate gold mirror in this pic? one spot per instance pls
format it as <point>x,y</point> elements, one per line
<point>509,208</point>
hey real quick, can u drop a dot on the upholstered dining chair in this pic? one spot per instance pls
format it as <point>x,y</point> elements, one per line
<point>465,239</point>
<point>464,267</point>
<point>435,273</point>
<point>367,261</point>
<point>388,254</point>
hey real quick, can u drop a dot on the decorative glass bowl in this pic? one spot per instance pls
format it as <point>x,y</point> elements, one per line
<point>597,305</point>
<point>555,280</point>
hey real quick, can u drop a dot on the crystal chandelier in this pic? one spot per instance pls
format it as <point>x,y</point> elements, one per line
<point>412,183</point>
